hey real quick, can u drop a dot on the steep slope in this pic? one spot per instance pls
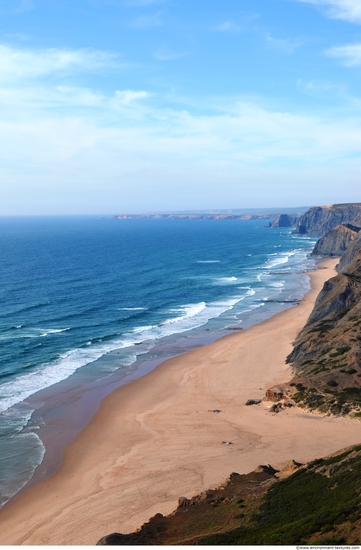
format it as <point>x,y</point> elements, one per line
<point>327,353</point>
<point>318,220</point>
<point>336,241</point>
<point>315,503</point>
<point>285,220</point>
<point>349,255</point>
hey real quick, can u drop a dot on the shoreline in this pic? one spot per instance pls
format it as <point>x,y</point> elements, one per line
<point>155,439</point>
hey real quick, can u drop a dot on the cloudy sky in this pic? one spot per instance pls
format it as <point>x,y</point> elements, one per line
<point>131,106</point>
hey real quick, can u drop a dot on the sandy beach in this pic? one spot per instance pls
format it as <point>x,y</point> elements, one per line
<point>156,438</point>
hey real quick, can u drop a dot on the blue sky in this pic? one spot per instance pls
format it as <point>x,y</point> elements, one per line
<point>131,106</point>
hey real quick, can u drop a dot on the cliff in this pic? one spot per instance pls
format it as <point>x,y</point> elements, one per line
<point>318,503</point>
<point>349,255</point>
<point>318,220</point>
<point>327,353</point>
<point>285,220</point>
<point>336,241</point>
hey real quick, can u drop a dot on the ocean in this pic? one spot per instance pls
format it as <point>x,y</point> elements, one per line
<point>89,303</point>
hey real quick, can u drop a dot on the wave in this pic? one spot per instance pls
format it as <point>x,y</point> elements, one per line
<point>225,281</point>
<point>191,316</point>
<point>131,308</point>
<point>31,332</point>
<point>280,284</point>
<point>6,313</point>
<point>208,261</point>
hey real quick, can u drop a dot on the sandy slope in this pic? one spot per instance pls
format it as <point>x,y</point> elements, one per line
<point>156,439</point>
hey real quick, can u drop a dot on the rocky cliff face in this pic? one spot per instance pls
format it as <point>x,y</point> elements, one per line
<point>327,353</point>
<point>336,241</point>
<point>285,220</point>
<point>349,255</point>
<point>318,220</point>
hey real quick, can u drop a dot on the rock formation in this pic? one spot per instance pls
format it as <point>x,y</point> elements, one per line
<point>349,255</point>
<point>327,353</point>
<point>318,220</point>
<point>285,220</point>
<point>336,241</point>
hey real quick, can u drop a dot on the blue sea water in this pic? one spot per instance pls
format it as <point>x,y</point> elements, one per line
<point>86,297</point>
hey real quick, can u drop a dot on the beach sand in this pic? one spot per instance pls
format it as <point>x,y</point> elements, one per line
<point>156,438</point>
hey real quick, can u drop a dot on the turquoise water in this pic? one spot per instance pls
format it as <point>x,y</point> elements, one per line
<point>84,298</point>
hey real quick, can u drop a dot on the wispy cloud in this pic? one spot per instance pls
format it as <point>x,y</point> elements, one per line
<point>122,148</point>
<point>349,55</point>
<point>285,45</point>
<point>146,21</point>
<point>348,10</point>
<point>164,54</point>
<point>142,3</point>
<point>21,64</point>
<point>11,7</point>
<point>228,26</point>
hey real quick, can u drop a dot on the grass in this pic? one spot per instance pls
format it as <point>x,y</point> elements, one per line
<point>305,507</point>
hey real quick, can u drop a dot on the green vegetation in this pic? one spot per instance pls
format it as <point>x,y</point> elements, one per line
<point>340,351</point>
<point>320,503</point>
<point>306,507</point>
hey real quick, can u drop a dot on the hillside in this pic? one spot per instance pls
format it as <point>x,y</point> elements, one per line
<point>326,358</point>
<point>314,503</point>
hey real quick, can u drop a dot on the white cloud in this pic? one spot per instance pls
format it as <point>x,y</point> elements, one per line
<point>167,154</point>
<point>20,64</point>
<point>285,45</point>
<point>323,89</point>
<point>228,26</point>
<point>146,21</point>
<point>348,10</point>
<point>349,55</point>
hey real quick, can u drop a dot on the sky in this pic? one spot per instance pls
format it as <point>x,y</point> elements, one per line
<point>133,106</point>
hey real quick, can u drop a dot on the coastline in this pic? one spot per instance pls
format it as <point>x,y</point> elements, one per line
<point>155,438</point>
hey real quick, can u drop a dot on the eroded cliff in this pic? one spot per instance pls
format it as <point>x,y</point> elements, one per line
<point>336,241</point>
<point>327,353</point>
<point>318,220</point>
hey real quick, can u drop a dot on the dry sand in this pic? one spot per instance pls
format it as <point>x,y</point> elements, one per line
<point>155,439</point>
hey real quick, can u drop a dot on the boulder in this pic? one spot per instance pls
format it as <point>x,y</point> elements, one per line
<point>275,394</point>
<point>253,402</point>
<point>184,502</point>
<point>276,408</point>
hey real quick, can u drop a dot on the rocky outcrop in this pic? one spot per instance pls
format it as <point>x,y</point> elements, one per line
<point>336,241</point>
<point>349,255</point>
<point>327,353</point>
<point>285,220</point>
<point>318,220</point>
<point>275,394</point>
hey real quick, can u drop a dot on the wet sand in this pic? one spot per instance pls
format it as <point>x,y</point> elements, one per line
<point>156,438</point>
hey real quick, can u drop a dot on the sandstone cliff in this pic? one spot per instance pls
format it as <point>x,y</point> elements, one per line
<point>318,220</point>
<point>327,353</point>
<point>336,241</point>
